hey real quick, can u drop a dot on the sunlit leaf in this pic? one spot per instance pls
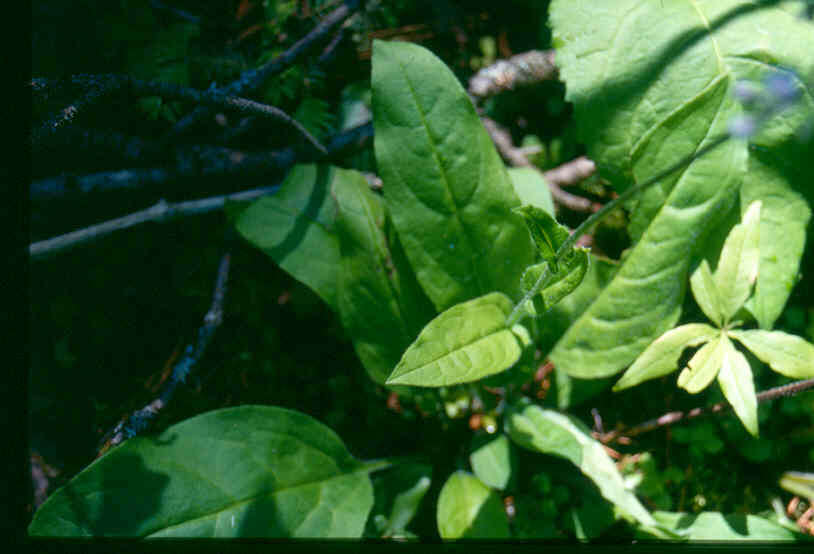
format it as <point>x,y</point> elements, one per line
<point>787,354</point>
<point>469,509</point>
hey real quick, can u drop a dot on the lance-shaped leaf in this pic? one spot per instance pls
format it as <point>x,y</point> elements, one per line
<point>799,483</point>
<point>703,366</point>
<point>465,343</point>
<point>786,354</point>
<point>547,234</point>
<point>491,462</point>
<point>735,380</point>
<point>531,188</point>
<point>468,509</point>
<point>706,293</point>
<point>640,113</point>
<point>251,471</point>
<point>551,432</point>
<point>661,357</point>
<point>295,227</point>
<point>380,305</point>
<point>571,271</point>
<point>738,265</point>
<point>444,183</point>
<point>715,526</point>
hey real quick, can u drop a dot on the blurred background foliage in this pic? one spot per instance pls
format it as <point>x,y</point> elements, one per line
<point>107,318</point>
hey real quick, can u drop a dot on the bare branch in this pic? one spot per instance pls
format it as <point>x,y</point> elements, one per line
<point>140,420</point>
<point>571,173</point>
<point>516,157</point>
<point>523,69</point>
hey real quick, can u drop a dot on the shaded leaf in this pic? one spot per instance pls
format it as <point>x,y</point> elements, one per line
<point>661,357</point>
<point>738,265</point>
<point>735,380</point>
<point>491,462</point>
<point>469,509</point>
<point>465,343</point>
<point>445,184</point>
<point>561,435</point>
<point>531,188</point>
<point>706,294</point>
<point>703,366</point>
<point>786,354</point>
<point>251,471</point>
<point>295,227</point>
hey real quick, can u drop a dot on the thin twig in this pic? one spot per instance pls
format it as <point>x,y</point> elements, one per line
<point>571,173</point>
<point>160,212</point>
<point>670,418</point>
<point>140,420</point>
<point>523,69</point>
<point>516,157</point>
<point>186,16</point>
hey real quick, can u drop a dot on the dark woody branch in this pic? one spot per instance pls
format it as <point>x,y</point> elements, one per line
<point>521,70</point>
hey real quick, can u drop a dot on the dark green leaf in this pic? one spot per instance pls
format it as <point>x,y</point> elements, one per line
<point>469,509</point>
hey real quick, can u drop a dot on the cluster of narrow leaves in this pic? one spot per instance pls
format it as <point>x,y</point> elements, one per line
<point>721,295</point>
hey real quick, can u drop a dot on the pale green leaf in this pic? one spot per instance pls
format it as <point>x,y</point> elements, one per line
<point>798,483</point>
<point>571,271</point>
<point>547,234</point>
<point>465,343</point>
<point>491,462</point>
<point>735,380</point>
<point>661,357</point>
<point>706,293</point>
<point>444,182</point>
<point>380,305</point>
<point>703,366</point>
<point>786,354</point>
<point>405,506</point>
<point>251,471</point>
<point>715,526</point>
<point>738,265</point>
<point>645,96</point>
<point>469,509</point>
<point>531,188</point>
<point>295,227</point>
<point>551,432</point>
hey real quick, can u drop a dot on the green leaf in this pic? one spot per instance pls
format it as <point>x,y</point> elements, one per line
<point>738,265</point>
<point>715,526</point>
<point>703,366</point>
<point>465,343</point>
<point>469,509</point>
<point>735,380</point>
<point>786,354</point>
<point>547,234</point>
<point>638,114</point>
<point>491,462</point>
<point>379,303</point>
<point>798,483</point>
<point>295,227</point>
<point>445,184</point>
<point>251,471</point>
<point>706,293</point>
<point>554,433</point>
<point>661,357</point>
<point>572,270</point>
<point>532,188</point>
<point>399,492</point>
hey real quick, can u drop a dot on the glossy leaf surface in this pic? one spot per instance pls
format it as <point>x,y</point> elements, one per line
<point>465,343</point>
<point>646,96</point>
<point>738,265</point>
<point>469,509</point>
<point>443,181</point>
<point>252,471</point>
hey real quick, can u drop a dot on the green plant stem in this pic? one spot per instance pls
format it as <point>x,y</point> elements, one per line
<point>585,226</point>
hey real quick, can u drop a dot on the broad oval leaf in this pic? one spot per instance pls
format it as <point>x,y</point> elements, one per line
<point>465,343</point>
<point>468,509</point>
<point>703,366</point>
<point>661,357</point>
<point>706,293</point>
<point>531,188</point>
<point>735,380</point>
<point>738,265</point>
<point>443,180</point>
<point>786,354</point>
<point>491,462</point>
<point>251,471</point>
<point>380,304</point>
<point>295,227</point>
<point>715,526</point>
<point>551,432</point>
<point>638,114</point>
